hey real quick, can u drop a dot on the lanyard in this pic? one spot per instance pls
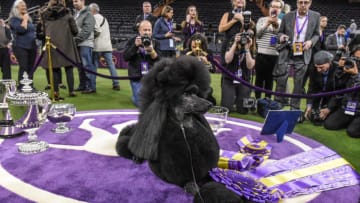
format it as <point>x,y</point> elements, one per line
<point>192,29</point>
<point>300,29</point>
<point>169,25</point>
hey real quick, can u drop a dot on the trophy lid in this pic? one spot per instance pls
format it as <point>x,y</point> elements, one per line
<point>27,95</point>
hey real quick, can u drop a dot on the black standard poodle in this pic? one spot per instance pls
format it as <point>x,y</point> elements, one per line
<point>172,133</point>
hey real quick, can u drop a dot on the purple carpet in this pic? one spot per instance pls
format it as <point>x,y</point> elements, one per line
<point>96,175</point>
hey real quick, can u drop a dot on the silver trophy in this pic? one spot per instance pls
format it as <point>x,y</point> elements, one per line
<point>7,128</point>
<point>28,109</point>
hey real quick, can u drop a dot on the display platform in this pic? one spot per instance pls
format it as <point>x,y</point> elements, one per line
<point>82,165</point>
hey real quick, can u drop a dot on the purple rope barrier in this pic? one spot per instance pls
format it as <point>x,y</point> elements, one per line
<point>247,84</point>
<point>36,65</point>
<point>79,65</point>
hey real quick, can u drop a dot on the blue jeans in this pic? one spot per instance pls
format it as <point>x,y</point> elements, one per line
<point>87,80</point>
<point>108,58</point>
<point>135,87</point>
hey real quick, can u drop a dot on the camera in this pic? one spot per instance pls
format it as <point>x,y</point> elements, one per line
<point>285,44</point>
<point>349,62</point>
<point>146,40</point>
<point>339,53</point>
<point>245,38</point>
<point>273,13</point>
<point>249,102</point>
<point>247,19</point>
<point>315,117</point>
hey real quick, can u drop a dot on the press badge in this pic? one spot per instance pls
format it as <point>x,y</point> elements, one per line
<point>273,41</point>
<point>238,74</point>
<point>298,48</point>
<point>350,108</point>
<point>144,67</point>
<point>171,43</point>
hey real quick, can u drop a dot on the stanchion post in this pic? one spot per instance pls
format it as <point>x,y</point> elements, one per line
<point>50,68</point>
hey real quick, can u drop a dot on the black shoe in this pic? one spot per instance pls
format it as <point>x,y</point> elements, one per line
<point>62,86</point>
<point>116,87</point>
<point>79,89</point>
<point>88,91</point>
<point>47,87</point>
<point>72,94</point>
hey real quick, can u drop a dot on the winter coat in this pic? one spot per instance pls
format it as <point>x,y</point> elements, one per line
<point>61,27</point>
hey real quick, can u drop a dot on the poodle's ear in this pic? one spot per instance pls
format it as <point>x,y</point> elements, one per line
<point>193,89</point>
<point>144,142</point>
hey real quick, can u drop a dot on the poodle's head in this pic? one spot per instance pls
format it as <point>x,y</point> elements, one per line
<point>173,79</point>
<point>174,90</point>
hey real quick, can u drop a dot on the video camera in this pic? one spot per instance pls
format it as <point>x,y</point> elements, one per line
<point>146,40</point>
<point>246,35</point>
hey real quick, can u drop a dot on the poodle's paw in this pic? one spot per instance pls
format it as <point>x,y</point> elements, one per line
<point>128,130</point>
<point>191,188</point>
<point>122,147</point>
<point>214,192</point>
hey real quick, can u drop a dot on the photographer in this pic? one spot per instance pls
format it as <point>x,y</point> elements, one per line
<point>141,52</point>
<point>239,60</point>
<point>348,114</point>
<point>266,40</point>
<point>321,80</point>
<point>336,43</point>
<point>230,24</point>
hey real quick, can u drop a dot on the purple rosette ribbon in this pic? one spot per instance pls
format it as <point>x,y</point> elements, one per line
<point>313,171</point>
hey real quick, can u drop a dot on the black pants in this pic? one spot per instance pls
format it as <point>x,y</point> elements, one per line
<point>26,59</point>
<point>69,78</point>
<point>5,63</point>
<point>263,69</point>
<point>48,76</point>
<point>233,94</point>
<point>339,120</point>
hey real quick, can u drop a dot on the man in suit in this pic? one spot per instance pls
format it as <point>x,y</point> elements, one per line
<point>146,15</point>
<point>336,42</point>
<point>300,30</point>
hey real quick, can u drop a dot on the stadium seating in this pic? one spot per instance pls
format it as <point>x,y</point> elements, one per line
<point>121,14</point>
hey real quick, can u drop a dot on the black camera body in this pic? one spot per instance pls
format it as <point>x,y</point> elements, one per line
<point>286,44</point>
<point>249,103</point>
<point>349,62</point>
<point>146,40</point>
<point>315,117</point>
<point>245,38</point>
<point>246,35</point>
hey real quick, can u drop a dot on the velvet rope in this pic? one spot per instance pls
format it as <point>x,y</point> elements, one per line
<point>36,65</point>
<point>247,84</point>
<point>79,65</point>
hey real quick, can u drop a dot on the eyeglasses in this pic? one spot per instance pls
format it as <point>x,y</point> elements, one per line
<point>275,6</point>
<point>303,2</point>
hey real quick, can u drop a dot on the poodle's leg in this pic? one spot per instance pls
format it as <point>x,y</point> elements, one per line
<point>122,144</point>
<point>213,192</point>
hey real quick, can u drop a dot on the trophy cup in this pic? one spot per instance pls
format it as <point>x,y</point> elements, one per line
<point>7,128</point>
<point>29,109</point>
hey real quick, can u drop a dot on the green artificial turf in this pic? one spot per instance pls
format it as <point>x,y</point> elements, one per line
<point>106,98</point>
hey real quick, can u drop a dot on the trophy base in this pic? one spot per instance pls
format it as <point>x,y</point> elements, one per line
<point>33,147</point>
<point>61,130</point>
<point>10,132</point>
